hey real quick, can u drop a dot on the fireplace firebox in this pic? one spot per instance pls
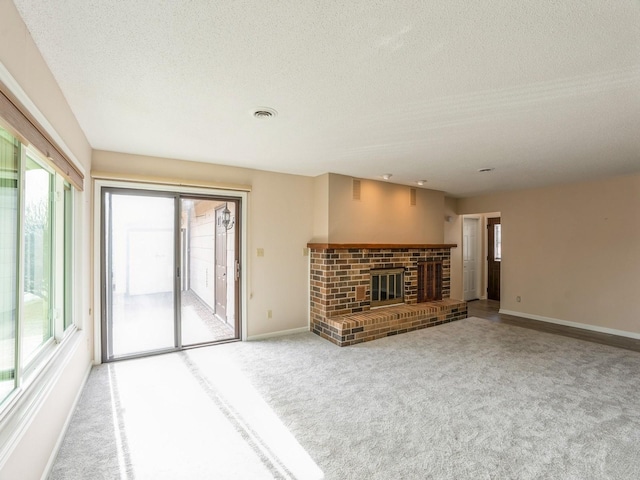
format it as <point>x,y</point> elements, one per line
<point>386,286</point>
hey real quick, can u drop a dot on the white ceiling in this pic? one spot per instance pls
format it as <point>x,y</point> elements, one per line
<point>543,91</point>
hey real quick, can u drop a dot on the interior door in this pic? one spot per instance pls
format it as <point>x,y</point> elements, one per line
<point>494,257</point>
<point>221,264</point>
<point>470,258</point>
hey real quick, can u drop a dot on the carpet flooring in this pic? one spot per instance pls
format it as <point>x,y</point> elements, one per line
<point>472,399</point>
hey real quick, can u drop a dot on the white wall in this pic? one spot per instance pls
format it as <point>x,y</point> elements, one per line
<point>24,71</point>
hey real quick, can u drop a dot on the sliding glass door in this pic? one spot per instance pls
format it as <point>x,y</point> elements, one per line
<point>170,276</point>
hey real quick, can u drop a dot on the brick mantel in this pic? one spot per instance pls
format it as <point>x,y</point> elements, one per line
<point>347,246</point>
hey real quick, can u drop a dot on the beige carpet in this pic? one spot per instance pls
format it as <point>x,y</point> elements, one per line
<point>471,399</point>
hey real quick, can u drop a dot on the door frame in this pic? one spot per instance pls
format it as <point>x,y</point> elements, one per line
<point>483,252</point>
<point>241,221</point>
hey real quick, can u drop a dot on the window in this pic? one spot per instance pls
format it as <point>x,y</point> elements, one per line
<point>36,261</point>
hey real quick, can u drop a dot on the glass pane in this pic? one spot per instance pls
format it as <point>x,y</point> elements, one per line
<point>9,154</point>
<point>208,278</point>
<point>68,255</point>
<point>392,287</point>
<point>497,242</point>
<point>141,270</point>
<point>399,286</point>
<point>383,287</point>
<point>375,287</point>
<point>37,318</point>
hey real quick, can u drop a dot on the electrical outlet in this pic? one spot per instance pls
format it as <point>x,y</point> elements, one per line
<point>260,252</point>
<point>518,299</point>
<point>305,252</point>
<point>269,314</point>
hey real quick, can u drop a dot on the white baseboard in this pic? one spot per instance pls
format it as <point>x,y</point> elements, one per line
<point>584,326</point>
<point>65,427</point>
<point>280,333</point>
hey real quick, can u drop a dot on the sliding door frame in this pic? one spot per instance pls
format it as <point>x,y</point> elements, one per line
<point>168,191</point>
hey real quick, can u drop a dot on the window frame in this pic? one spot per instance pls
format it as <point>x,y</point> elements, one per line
<point>62,276</point>
<point>497,242</point>
<point>37,355</point>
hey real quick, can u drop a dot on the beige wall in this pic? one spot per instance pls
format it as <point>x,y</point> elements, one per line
<point>383,214</point>
<point>572,252</point>
<point>453,234</point>
<point>28,457</point>
<point>321,209</point>
<point>280,221</point>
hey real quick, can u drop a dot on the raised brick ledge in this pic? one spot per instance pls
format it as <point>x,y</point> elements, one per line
<point>383,322</point>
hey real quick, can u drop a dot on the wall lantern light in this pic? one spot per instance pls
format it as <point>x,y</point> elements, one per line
<point>227,220</point>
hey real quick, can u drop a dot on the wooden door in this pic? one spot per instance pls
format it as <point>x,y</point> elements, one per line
<point>494,257</point>
<point>221,265</point>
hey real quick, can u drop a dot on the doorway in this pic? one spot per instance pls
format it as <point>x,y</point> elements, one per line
<point>163,286</point>
<point>470,259</point>
<point>481,256</point>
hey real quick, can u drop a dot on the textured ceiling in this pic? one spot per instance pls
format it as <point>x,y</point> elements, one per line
<point>544,92</point>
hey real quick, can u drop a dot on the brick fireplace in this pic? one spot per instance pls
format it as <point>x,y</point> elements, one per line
<point>341,289</point>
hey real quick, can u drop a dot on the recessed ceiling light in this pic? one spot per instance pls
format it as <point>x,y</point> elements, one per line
<point>387,176</point>
<point>264,112</point>
<point>421,182</point>
<point>484,170</point>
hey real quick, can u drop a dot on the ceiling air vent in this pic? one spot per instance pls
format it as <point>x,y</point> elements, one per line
<point>356,189</point>
<point>264,112</point>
